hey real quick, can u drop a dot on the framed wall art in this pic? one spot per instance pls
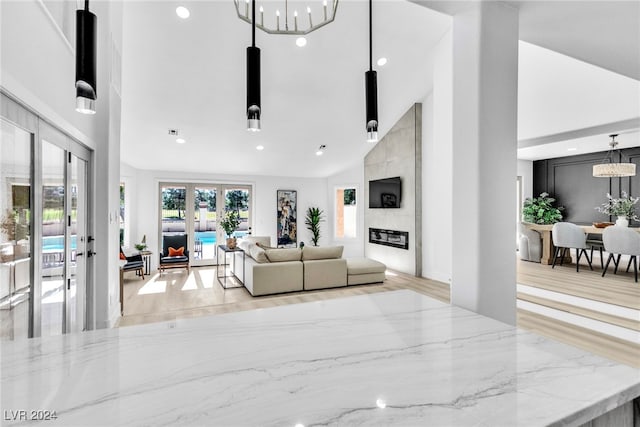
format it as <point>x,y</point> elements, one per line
<point>287,201</point>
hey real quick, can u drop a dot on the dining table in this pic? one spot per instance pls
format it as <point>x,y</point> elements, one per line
<point>547,239</point>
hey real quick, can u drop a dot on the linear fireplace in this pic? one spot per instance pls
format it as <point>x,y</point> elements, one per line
<point>393,238</point>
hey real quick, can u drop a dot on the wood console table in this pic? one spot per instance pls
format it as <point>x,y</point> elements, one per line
<point>547,241</point>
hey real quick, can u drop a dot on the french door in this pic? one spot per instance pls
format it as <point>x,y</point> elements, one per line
<point>45,176</point>
<point>195,209</point>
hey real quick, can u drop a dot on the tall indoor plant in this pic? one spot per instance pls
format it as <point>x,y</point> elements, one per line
<point>229,224</point>
<point>313,219</point>
<point>540,210</point>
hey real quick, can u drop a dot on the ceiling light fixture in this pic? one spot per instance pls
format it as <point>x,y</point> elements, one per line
<point>572,149</point>
<point>382,61</point>
<point>371,88</point>
<point>328,17</point>
<point>182,12</point>
<point>86,47</point>
<point>301,42</point>
<point>608,169</point>
<point>260,147</point>
<point>253,77</point>
<point>321,149</point>
<point>181,140</point>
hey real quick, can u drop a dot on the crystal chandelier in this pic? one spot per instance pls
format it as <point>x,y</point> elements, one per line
<point>299,25</point>
<point>609,169</point>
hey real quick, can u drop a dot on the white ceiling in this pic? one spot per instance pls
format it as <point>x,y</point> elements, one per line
<point>190,75</point>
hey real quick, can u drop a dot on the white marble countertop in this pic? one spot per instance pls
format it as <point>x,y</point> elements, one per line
<point>393,358</point>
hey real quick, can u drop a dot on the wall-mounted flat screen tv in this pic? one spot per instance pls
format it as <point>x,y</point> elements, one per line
<point>385,193</point>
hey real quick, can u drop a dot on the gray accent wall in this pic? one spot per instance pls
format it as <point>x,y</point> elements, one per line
<point>399,153</point>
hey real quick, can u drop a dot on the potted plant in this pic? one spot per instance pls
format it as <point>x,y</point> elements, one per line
<point>312,220</point>
<point>229,224</point>
<point>624,208</point>
<point>540,210</point>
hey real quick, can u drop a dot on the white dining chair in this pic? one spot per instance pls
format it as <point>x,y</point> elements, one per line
<point>621,241</point>
<point>567,235</point>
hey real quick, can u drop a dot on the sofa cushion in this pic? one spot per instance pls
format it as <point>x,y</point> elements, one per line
<point>364,266</point>
<point>257,253</point>
<point>264,240</point>
<point>173,259</point>
<point>282,255</point>
<point>321,252</point>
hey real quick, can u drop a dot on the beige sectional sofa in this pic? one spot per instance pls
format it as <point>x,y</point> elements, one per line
<point>270,270</point>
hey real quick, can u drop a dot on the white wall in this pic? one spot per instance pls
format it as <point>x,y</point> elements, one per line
<point>129,176</point>
<point>437,126</point>
<point>38,68</point>
<point>145,206</point>
<point>351,177</point>
<point>525,170</point>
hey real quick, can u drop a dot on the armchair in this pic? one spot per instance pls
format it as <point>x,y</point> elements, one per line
<point>175,242</point>
<point>134,262</point>
<point>529,244</point>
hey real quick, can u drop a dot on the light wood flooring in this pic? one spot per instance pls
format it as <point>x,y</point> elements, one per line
<point>176,295</point>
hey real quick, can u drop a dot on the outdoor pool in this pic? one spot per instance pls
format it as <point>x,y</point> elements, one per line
<point>56,243</point>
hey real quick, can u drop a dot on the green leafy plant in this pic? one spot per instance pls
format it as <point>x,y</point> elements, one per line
<point>540,210</point>
<point>230,222</point>
<point>312,221</point>
<point>623,206</point>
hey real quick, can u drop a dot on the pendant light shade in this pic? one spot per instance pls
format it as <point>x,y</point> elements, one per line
<point>253,88</point>
<point>371,89</point>
<point>86,48</point>
<point>253,77</point>
<point>610,169</point>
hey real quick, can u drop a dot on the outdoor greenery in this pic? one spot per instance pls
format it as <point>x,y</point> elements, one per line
<point>540,210</point>
<point>349,196</point>
<point>312,220</point>
<point>623,206</point>
<point>174,202</point>
<point>230,222</point>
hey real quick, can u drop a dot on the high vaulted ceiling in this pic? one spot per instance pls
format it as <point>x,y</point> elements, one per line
<point>190,75</point>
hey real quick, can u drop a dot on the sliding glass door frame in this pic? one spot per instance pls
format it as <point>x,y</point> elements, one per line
<point>21,116</point>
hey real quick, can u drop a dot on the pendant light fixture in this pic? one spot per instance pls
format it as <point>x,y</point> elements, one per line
<point>253,77</point>
<point>371,89</point>
<point>608,168</point>
<point>86,47</point>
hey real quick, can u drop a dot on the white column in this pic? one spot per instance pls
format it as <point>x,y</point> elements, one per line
<point>485,75</point>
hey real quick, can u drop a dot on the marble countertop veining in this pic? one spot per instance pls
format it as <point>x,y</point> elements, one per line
<point>393,358</point>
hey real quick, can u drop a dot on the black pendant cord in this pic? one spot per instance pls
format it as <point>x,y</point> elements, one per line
<point>253,23</point>
<point>370,36</point>
<point>86,5</point>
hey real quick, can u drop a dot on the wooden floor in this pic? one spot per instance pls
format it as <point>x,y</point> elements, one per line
<point>176,295</point>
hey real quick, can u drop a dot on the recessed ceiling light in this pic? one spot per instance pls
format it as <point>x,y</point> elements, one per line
<point>319,153</point>
<point>381,404</point>
<point>181,140</point>
<point>382,61</point>
<point>182,12</point>
<point>260,147</point>
<point>320,150</point>
<point>572,149</point>
<point>301,42</point>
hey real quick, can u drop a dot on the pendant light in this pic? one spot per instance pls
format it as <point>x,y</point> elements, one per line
<point>86,47</point>
<point>609,169</point>
<point>253,77</point>
<point>371,89</point>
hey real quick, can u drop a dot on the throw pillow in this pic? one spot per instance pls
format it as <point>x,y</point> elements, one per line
<point>263,246</point>
<point>258,254</point>
<point>122,257</point>
<point>324,252</point>
<point>282,255</point>
<point>176,252</point>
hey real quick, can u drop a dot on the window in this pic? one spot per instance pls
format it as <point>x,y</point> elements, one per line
<point>346,213</point>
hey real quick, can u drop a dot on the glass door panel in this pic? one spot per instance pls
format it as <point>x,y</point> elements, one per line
<point>77,249</point>
<point>53,239</point>
<point>237,198</point>
<point>15,232</point>
<point>204,225</point>
<point>174,204</point>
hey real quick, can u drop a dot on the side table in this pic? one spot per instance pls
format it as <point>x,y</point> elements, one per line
<point>146,258</point>
<point>222,274</point>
